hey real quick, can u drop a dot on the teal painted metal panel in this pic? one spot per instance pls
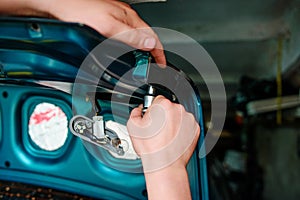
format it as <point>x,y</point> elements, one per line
<point>56,55</point>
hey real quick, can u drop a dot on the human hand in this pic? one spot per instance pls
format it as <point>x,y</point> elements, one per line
<point>110,17</point>
<point>165,136</point>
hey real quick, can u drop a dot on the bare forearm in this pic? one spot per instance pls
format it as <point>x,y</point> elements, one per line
<point>24,7</point>
<point>168,183</point>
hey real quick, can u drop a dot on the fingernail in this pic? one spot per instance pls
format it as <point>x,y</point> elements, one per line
<point>163,66</point>
<point>149,43</point>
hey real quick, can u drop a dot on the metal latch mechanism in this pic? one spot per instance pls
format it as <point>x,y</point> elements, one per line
<point>111,135</point>
<point>115,139</point>
<point>141,73</point>
<point>94,131</point>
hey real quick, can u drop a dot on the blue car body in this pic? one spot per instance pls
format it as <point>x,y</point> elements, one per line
<point>35,50</point>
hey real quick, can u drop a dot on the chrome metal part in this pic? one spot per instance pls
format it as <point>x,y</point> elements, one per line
<point>94,131</point>
<point>124,138</point>
<point>148,98</point>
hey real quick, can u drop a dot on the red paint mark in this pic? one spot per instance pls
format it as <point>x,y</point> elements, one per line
<point>40,117</point>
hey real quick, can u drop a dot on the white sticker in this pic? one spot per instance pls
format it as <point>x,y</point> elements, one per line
<point>48,126</point>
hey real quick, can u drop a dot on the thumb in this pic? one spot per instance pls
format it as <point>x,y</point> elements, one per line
<point>136,113</point>
<point>139,38</point>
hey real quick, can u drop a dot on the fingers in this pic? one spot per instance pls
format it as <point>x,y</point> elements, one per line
<point>110,18</point>
<point>158,51</point>
<point>138,34</point>
<point>159,57</point>
<point>162,101</point>
<point>158,99</point>
<point>136,38</point>
<point>135,118</point>
<point>141,40</point>
<point>136,113</point>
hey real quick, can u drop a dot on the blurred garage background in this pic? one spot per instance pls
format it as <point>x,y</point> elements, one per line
<point>256,46</point>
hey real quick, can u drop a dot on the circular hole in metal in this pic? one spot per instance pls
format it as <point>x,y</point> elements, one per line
<point>5,94</point>
<point>35,27</point>
<point>7,164</point>
<point>48,127</point>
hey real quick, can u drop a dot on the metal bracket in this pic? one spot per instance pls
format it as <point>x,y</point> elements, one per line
<point>94,131</point>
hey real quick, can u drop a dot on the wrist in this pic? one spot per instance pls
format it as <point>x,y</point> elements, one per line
<point>161,161</point>
<point>164,183</point>
<point>167,171</point>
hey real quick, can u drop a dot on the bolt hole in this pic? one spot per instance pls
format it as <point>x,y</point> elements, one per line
<point>35,27</point>
<point>7,164</point>
<point>144,193</point>
<point>5,94</point>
